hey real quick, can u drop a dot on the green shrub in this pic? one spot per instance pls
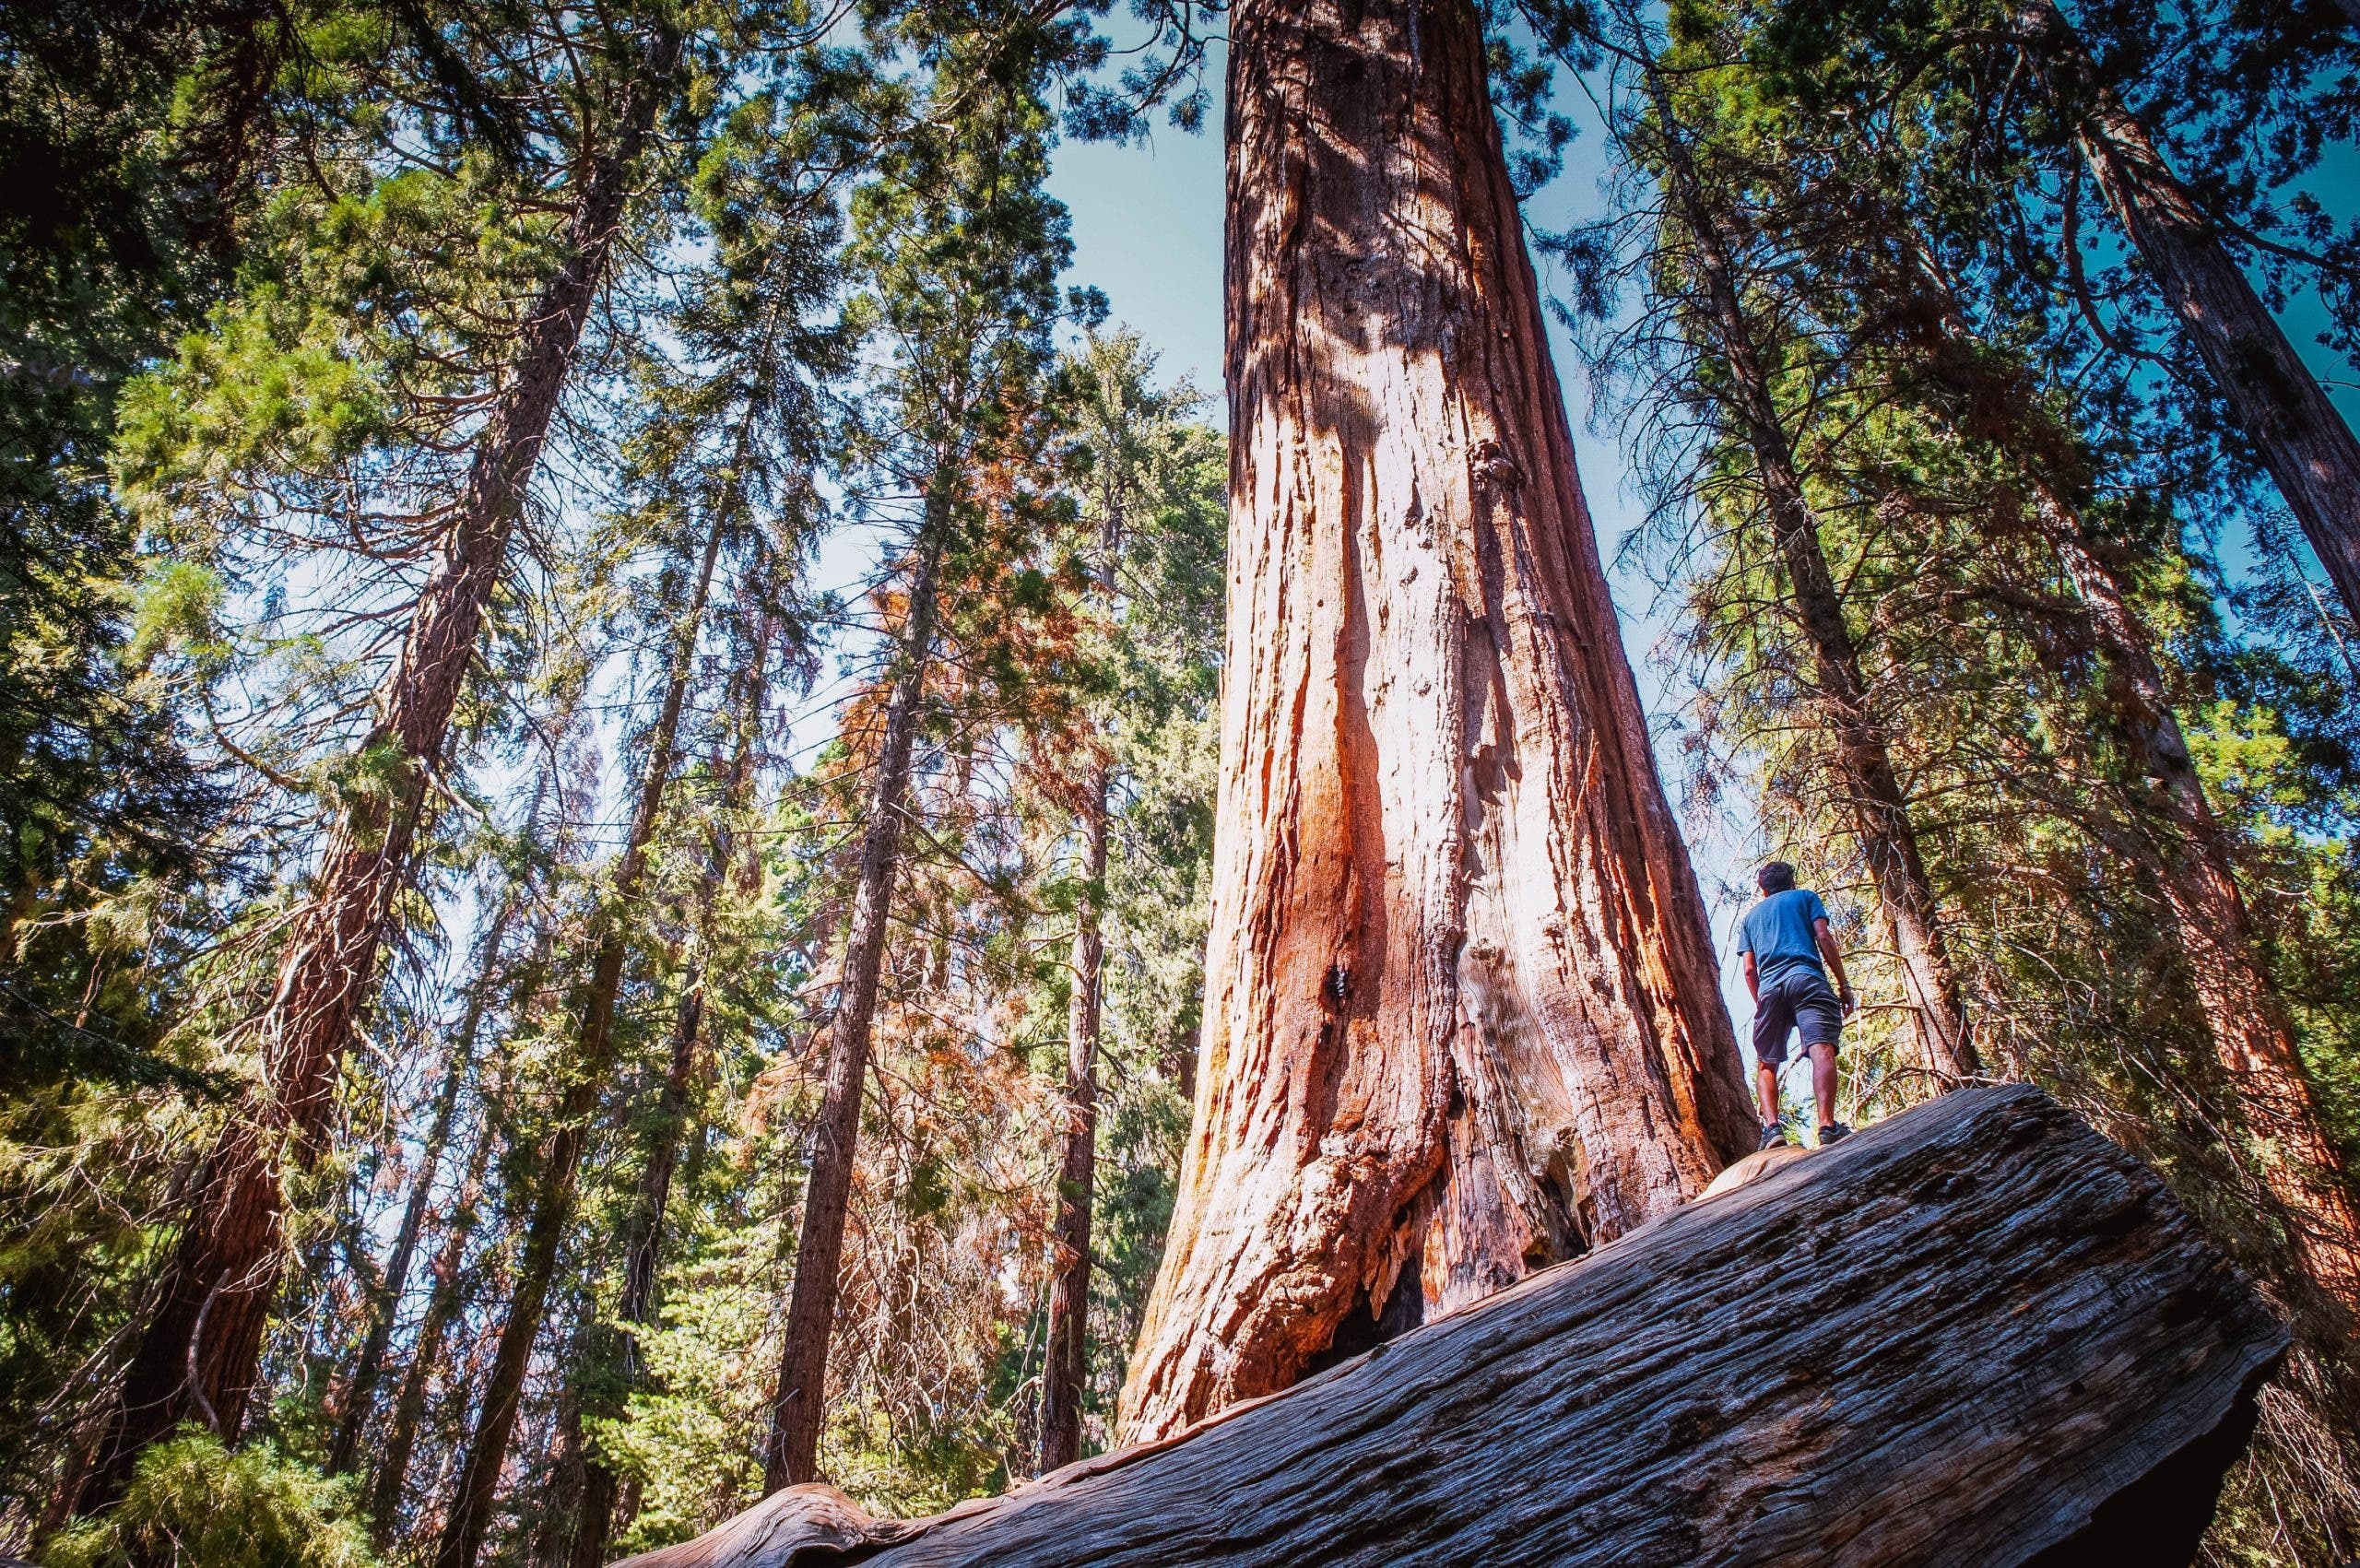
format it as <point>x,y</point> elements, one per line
<point>194,1503</point>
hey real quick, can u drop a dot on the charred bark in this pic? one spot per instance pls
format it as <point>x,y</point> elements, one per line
<point>2296,432</point>
<point>1873,795</point>
<point>799,1408</point>
<point>1976,1334</point>
<point>1462,1011</point>
<point>197,1355</point>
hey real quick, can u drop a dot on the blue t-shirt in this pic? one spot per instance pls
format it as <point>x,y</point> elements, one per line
<point>1778,932</point>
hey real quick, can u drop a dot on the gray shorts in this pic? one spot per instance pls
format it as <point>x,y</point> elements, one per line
<point>1795,1003</point>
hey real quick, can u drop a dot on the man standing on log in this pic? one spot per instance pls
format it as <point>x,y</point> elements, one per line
<point>1782,939</point>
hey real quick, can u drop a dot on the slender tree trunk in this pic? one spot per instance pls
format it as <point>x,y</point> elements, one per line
<point>1462,1011</point>
<point>592,1065</point>
<point>608,1502</point>
<point>2243,1011</point>
<point>197,1355</point>
<point>361,1395</point>
<point>1068,1370</point>
<point>2304,443</point>
<point>1873,794</point>
<point>800,1406</point>
<point>443,1301</point>
<point>601,1489</point>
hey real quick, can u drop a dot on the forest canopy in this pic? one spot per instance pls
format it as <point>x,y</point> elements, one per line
<point>675,823</point>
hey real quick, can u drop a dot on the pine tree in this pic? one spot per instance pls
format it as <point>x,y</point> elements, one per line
<point>960,250</point>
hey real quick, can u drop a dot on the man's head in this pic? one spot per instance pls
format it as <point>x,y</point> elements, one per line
<point>1774,877</point>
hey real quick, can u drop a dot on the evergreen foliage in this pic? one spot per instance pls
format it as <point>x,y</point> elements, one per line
<point>833,435</point>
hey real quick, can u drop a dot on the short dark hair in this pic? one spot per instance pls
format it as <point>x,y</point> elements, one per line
<point>1774,877</point>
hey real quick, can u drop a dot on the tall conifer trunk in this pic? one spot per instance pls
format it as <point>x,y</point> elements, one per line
<point>1068,1364</point>
<point>2243,1010</point>
<point>444,1297</point>
<point>590,1070</point>
<point>2304,442</point>
<point>798,1409</point>
<point>197,1355</point>
<point>1462,1009</point>
<point>605,1494</point>
<point>1874,799</point>
<point>360,1393</point>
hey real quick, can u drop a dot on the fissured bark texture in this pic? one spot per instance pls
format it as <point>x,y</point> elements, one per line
<point>1462,1015</point>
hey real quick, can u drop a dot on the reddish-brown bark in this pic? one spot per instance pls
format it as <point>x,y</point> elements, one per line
<point>2304,442</point>
<point>799,1408</point>
<point>2251,1034</point>
<point>1066,1366</point>
<point>197,1355</point>
<point>2189,851</point>
<point>1462,1011</point>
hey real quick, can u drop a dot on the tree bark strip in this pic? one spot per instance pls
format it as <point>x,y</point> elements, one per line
<point>590,1068</point>
<point>2302,441</point>
<point>2009,1346</point>
<point>798,1409</point>
<point>1462,1009</point>
<point>197,1355</point>
<point>1874,798</point>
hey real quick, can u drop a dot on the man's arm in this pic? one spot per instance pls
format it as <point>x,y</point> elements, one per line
<point>1834,956</point>
<point>1752,977</point>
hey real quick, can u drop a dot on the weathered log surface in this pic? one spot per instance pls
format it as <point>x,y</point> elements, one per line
<point>1975,1334</point>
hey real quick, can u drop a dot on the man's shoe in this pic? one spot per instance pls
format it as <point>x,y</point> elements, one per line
<point>1774,1135</point>
<point>1835,1132</point>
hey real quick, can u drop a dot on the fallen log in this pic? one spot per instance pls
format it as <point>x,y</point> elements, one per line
<point>1974,1334</point>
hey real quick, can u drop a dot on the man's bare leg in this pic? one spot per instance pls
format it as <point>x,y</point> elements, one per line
<point>1822,1082</point>
<point>1766,1083</point>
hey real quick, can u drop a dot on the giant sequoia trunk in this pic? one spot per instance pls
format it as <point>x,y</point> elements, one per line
<point>1873,797</point>
<point>2301,439</point>
<point>197,1355</point>
<point>590,1068</point>
<point>798,1406</point>
<point>1975,1335</point>
<point>1462,1015</point>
